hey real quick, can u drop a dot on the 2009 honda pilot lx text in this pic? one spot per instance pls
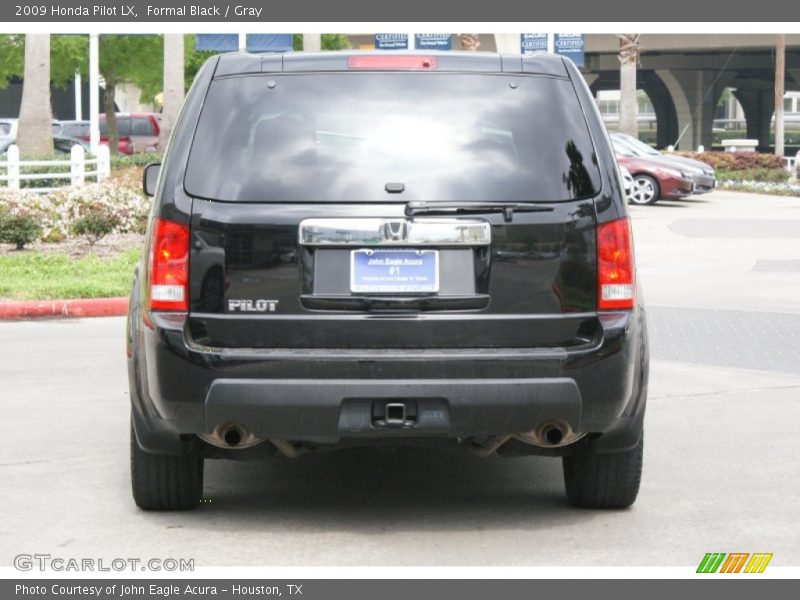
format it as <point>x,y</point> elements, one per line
<point>351,249</point>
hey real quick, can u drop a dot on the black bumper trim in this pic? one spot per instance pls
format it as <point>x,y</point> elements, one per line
<point>327,410</point>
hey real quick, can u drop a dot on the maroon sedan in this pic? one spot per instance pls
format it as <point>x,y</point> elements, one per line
<point>653,179</point>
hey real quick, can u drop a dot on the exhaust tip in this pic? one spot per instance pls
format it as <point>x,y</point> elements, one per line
<point>553,435</point>
<point>232,437</point>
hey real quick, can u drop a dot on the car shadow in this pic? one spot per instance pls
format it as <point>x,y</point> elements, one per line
<point>385,490</point>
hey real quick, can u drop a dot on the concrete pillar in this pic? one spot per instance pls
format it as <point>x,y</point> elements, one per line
<point>758,107</point>
<point>695,94</point>
<point>312,42</point>
<point>666,118</point>
<point>507,43</point>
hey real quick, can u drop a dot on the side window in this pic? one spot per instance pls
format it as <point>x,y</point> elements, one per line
<point>142,126</point>
<point>124,126</point>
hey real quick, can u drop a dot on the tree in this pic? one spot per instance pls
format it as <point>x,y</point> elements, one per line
<point>134,58</point>
<point>12,49</point>
<point>193,59</point>
<point>68,55</point>
<point>173,85</point>
<point>629,61</point>
<point>40,60</point>
<point>328,41</point>
<point>35,134</point>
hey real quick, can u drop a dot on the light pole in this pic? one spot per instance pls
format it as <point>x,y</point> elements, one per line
<point>780,74</point>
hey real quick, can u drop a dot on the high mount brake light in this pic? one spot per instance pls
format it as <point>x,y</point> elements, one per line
<point>616,285</point>
<point>169,266</point>
<point>393,63</point>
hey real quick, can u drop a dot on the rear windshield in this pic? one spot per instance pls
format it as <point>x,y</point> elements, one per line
<point>123,126</point>
<point>345,136</point>
<point>75,129</point>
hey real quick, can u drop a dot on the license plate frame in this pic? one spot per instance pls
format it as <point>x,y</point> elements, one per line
<point>409,278</point>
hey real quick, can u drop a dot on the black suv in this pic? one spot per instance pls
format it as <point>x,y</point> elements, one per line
<point>364,248</point>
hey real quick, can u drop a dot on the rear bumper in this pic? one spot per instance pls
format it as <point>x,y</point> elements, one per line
<point>326,396</point>
<point>327,410</point>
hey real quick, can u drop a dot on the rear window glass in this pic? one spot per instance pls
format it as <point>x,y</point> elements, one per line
<point>343,137</point>
<point>75,129</point>
<point>123,126</point>
<point>5,128</point>
<point>141,127</point>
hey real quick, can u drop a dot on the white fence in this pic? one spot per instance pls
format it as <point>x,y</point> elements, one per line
<point>80,168</point>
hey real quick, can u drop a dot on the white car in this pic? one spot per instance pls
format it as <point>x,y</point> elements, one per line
<point>627,180</point>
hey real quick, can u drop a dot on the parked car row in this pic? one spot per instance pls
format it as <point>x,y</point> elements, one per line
<point>62,142</point>
<point>137,132</point>
<point>655,176</point>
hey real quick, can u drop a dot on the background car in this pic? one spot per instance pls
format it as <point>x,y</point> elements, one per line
<point>61,144</point>
<point>137,132</point>
<point>8,130</point>
<point>702,174</point>
<point>653,179</point>
<point>627,180</point>
<point>74,129</point>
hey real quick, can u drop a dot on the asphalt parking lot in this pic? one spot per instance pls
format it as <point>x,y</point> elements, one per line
<point>721,274</point>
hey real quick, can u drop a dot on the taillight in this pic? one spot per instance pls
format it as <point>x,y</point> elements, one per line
<point>615,268</point>
<point>402,62</point>
<point>169,266</point>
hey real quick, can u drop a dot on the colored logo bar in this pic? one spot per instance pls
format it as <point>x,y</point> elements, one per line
<point>734,562</point>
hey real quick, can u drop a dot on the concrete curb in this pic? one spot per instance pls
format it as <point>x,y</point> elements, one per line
<point>92,307</point>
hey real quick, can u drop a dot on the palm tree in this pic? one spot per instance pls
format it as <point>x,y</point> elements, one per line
<point>173,85</point>
<point>35,135</point>
<point>629,61</point>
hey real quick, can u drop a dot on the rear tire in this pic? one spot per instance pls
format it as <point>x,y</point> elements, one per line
<point>603,480</point>
<point>163,482</point>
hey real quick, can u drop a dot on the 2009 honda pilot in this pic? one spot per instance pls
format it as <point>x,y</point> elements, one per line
<point>365,248</point>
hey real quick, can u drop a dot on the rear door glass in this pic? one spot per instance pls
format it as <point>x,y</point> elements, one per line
<point>345,136</point>
<point>141,127</point>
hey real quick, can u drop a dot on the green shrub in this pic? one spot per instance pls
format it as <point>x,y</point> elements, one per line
<point>135,160</point>
<point>18,226</point>
<point>95,222</point>
<point>768,175</point>
<point>44,183</point>
<point>737,161</point>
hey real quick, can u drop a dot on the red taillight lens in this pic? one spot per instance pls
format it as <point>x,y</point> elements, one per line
<point>169,266</point>
<point>393,63</point>
<point>615,268</point>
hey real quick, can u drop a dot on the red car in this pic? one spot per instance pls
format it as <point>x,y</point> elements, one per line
<point>138,132</point>
<point>653,179</point>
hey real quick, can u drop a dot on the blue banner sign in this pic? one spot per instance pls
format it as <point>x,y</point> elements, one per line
<point>391,41</point>
<point>432,41</point>
<point>570,45</point>
<point>533,42</point>
<point>256,42</point>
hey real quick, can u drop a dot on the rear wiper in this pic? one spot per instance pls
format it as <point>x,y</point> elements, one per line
<point>507,208</point>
